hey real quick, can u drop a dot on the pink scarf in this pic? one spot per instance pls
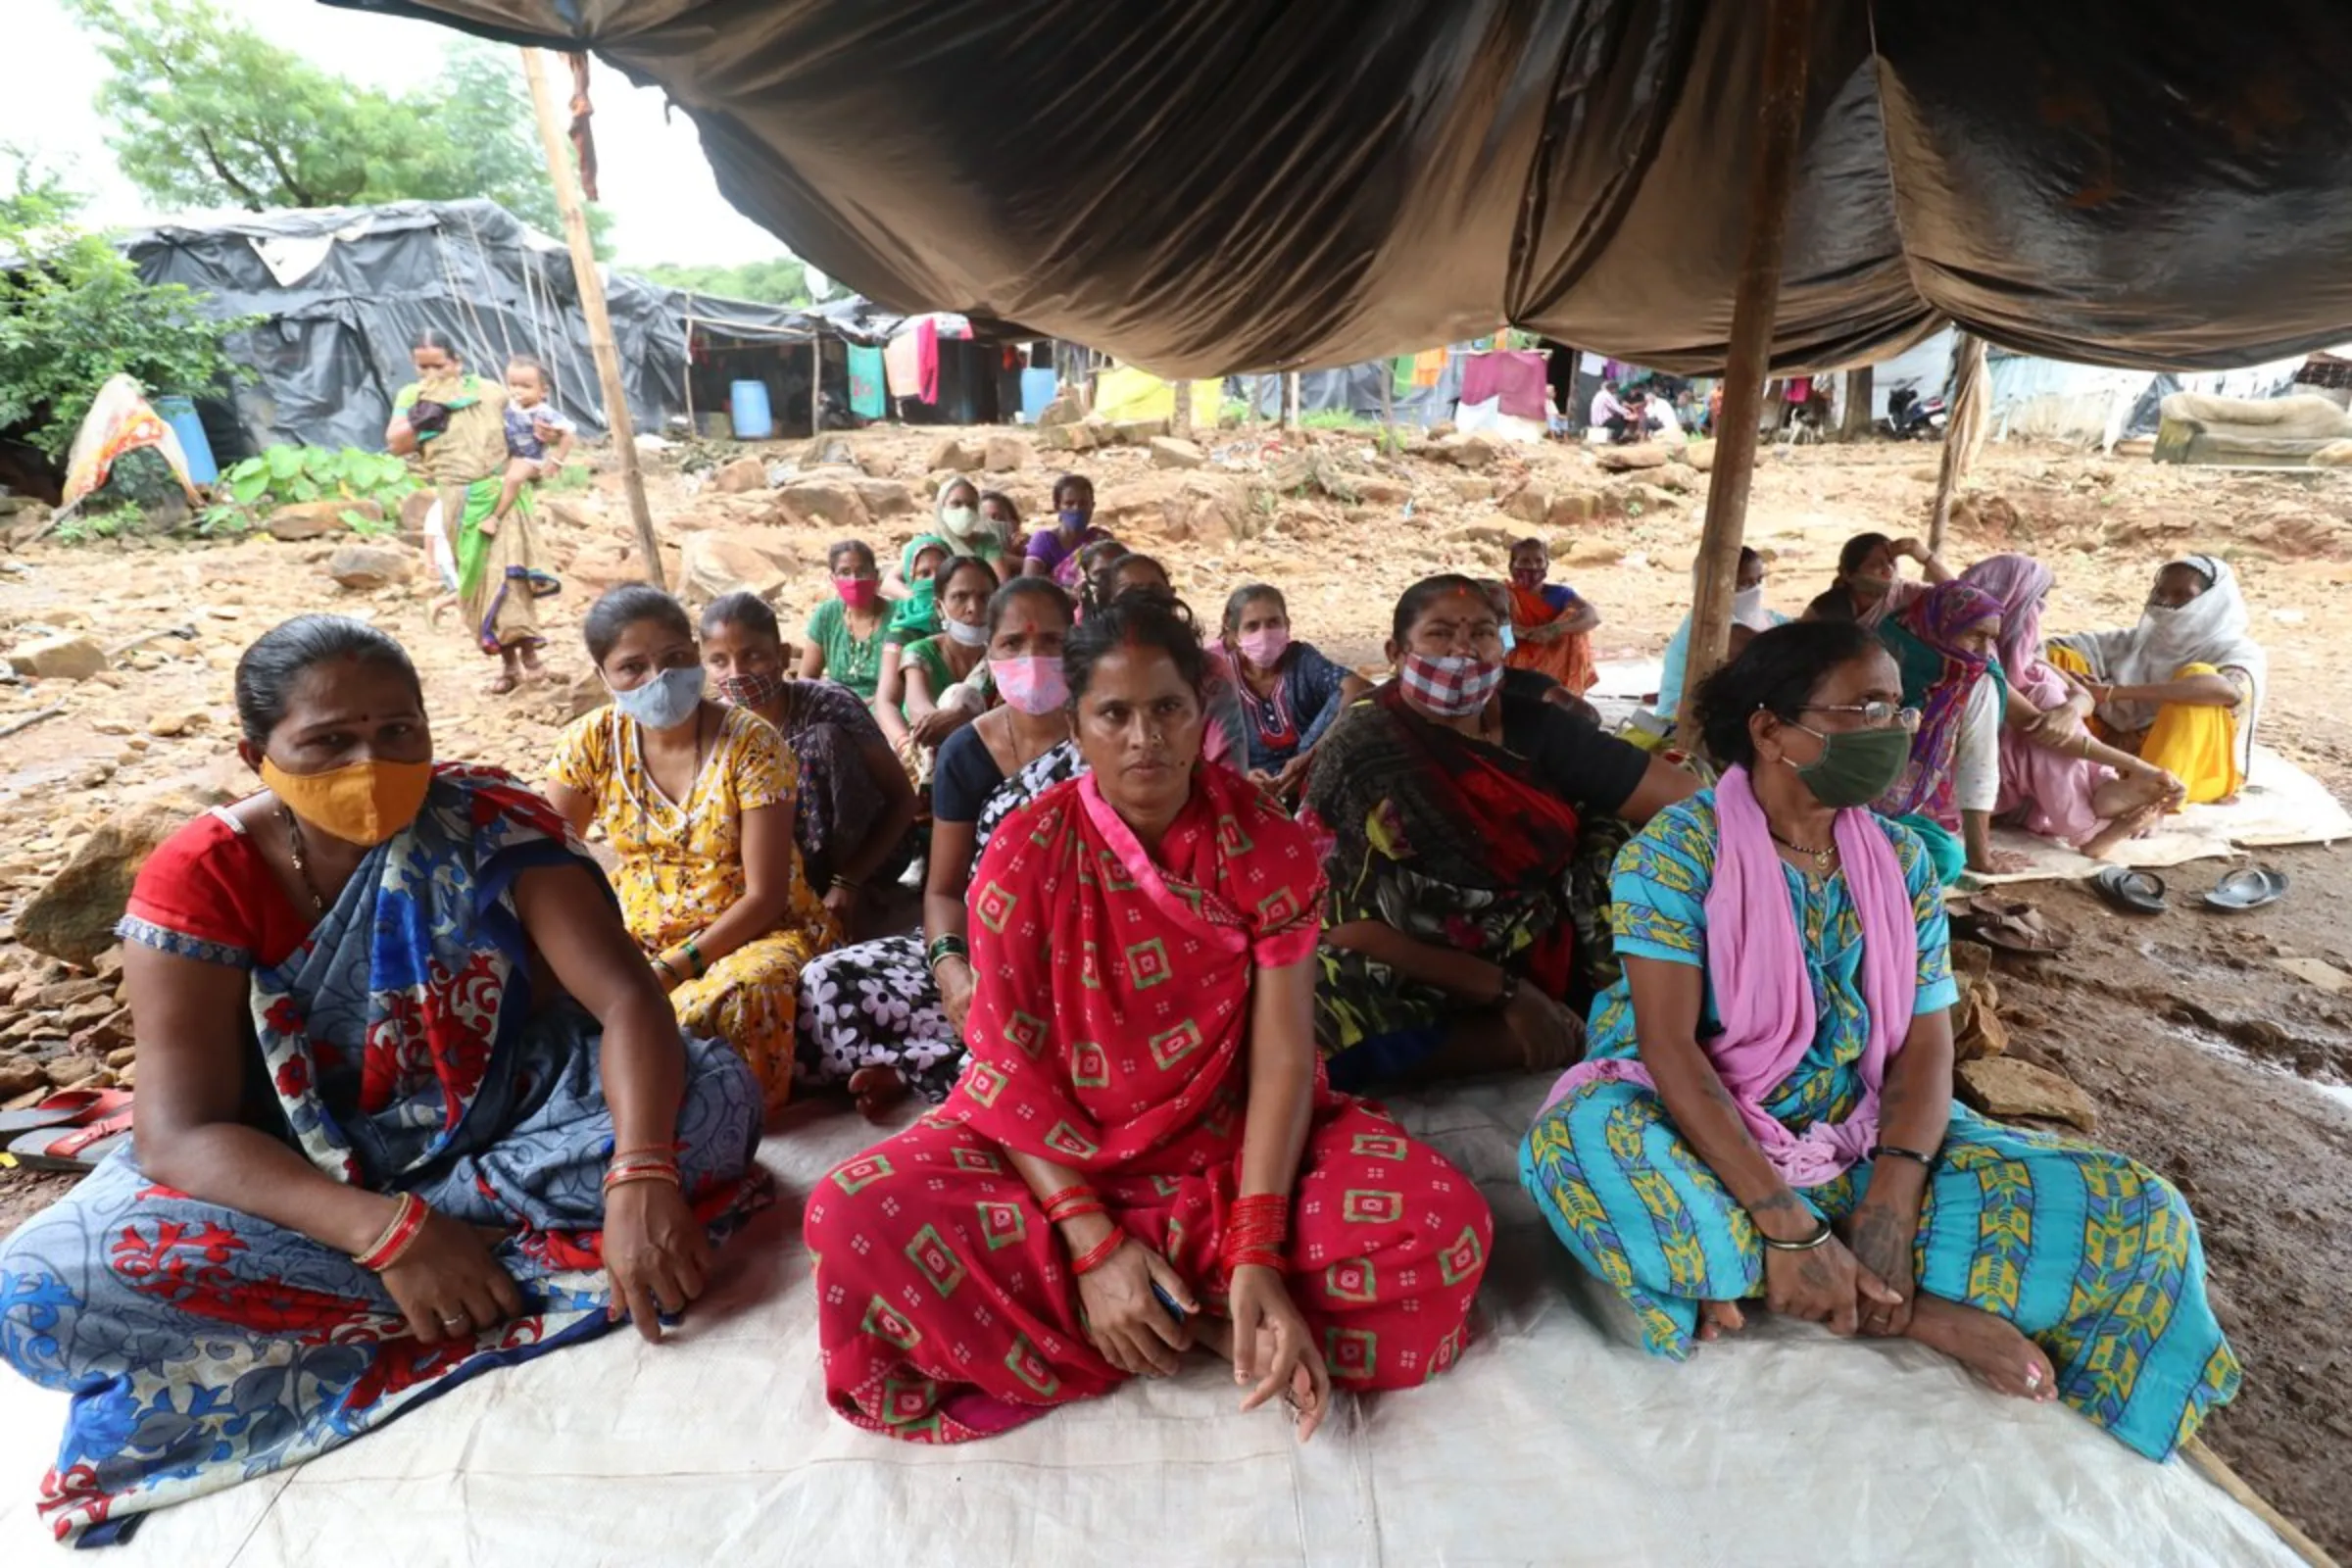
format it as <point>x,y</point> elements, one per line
<point>1764,997</point>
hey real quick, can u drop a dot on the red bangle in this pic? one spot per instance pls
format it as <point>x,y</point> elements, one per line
<point>1256,1227</point>
<point>643,1168</point>
<point>1102,1253</point>
<point>1252,1256</point>
<point>408,1223</point>
<point>1076,1209</point>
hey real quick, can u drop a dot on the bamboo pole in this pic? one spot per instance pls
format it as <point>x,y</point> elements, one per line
<point>1963,432</point>
<point>1180,421</point>
<point>1290,400</point>
<point>2212,1468</point>
<point>816,385</point>
<point>1788,37</point>
<point>552,142</point>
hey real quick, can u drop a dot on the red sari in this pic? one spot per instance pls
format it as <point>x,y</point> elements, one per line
<point>1108,1033</point>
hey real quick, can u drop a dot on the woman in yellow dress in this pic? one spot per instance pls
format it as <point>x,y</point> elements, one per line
<point>2182,690</point>
<point>696,799</point>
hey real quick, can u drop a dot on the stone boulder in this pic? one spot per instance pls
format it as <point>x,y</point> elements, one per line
<point>958,455</point>
<point>1529,503</point>
<point>1383,492</point>
<point>826,502</point>
<point>317,519</point>
<point>1064,410</point>
<point>2004,1087</point>
<point>59,658</point>
<point>1701,454</point>
<point>1004,454</point>
<point>364,567</point>
<point>73,917</point>
<point>740,476</point>
<point>169,722</point>
<point>20,1076</point>
<point>1626,460</point>
<point>1171,452</point>
<point>1570,512</point>
<point>1464,450</point>
<point>885,498</point>
<point>720,560</point>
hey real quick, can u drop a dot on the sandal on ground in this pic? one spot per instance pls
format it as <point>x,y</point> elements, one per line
<point>2128,891</point>
<point>2012,926</point>
<point>67,1108</point>
<point>501,685</point>
<point>77,1149</point>
<point>2249,887</point>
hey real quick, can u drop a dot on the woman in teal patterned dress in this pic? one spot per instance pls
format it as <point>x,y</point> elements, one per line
<point>1766,1108</point>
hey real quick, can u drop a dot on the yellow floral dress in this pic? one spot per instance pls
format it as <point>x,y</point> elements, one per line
<point>681,867</point>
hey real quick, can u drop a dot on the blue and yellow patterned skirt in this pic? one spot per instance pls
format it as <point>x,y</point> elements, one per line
<point>2091,1255</point>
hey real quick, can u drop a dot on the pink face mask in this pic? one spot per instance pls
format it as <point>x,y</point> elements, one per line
<point>1032,685</point>
<point>858,593</point>
<point>1266,646</point>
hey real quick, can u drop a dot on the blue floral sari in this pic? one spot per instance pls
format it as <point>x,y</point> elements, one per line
<point>405,1050</point>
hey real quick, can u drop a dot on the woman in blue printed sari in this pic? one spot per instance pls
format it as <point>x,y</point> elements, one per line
<point>1766,1108</point>
<point>411,1106</point>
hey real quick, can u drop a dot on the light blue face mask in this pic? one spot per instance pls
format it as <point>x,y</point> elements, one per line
<point>665,701</point>
<point>1509,640</point>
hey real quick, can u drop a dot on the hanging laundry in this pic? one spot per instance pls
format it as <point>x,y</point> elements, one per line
<point>1429,367</point>
<point>926,358</point>
<point>902,363</point>
<point>1514,376</point>
<point>866,379</point>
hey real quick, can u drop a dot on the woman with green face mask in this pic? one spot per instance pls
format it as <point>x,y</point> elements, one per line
<point>1765,1109</point>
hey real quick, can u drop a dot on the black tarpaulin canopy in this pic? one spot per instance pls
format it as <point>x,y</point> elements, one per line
<point>1205,186</point>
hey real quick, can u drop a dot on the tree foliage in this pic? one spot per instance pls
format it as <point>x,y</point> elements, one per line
<point>782,281</point>
<point>207,112</point>
<point>74,312</point>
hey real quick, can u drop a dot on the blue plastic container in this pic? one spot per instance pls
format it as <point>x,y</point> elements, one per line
<point>181,415</point>
<point>747,402</point>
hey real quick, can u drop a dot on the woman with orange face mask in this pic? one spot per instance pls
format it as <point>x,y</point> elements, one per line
<point>411,1106</point>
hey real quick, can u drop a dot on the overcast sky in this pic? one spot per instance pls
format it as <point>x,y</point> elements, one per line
<point>652,176</point>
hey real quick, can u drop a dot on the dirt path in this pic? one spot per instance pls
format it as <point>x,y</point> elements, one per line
<point>2183,1028</point>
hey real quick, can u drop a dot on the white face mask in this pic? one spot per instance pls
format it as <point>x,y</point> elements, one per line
<point>1747,609</point>
<point>967,636</point>
<point>958,520</point>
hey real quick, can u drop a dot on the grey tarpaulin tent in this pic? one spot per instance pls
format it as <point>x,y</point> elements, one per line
<point>342,293</point>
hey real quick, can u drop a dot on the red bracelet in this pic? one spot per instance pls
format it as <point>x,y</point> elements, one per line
<point>1104,1253</point>
<point>388,1249</point>
<point>1255,1228</point>
<point>643,1168</point>
<point>1252,1257</point>
<point>1076,1209</point>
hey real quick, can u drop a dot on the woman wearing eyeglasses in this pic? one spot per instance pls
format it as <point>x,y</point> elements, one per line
<point>1765,1109</point>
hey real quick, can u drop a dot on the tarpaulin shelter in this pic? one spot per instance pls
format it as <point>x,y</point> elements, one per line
<point>1207,186</point>
<point>342,292</point>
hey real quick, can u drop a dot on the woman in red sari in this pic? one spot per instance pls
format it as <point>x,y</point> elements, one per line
<point>1142,1156</point>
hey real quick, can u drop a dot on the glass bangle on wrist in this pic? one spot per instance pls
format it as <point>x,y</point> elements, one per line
<point>1821,1234</point>
<point>1883,1150</point>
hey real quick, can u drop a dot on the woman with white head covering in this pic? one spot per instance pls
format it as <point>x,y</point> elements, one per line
<point>959,523</point>
<point>2183,689</point>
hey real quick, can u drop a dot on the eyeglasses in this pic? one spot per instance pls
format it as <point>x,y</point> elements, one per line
<point>1875,715</point>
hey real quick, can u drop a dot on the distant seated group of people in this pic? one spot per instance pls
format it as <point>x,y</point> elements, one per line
<point>424,1092</point>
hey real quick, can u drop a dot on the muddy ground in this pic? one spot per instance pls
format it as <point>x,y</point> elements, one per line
<point>2204,1057</point>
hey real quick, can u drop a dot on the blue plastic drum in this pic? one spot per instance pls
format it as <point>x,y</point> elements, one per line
<point>181,415</point>
<point>747,404</point>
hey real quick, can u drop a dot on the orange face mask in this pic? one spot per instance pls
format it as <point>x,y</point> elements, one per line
<point>363,802</point>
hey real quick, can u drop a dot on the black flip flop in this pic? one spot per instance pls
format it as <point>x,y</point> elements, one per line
<point>2130,890</point>
<point>2249,887</point>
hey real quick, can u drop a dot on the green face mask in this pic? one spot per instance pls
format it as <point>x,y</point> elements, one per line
<point>1855,766</point>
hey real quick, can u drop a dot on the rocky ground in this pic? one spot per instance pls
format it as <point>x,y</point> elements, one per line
<point>2215,1049</point>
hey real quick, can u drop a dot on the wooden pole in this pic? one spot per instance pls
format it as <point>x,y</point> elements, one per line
<point>816,385</point>
<point>694,426</point>
<point>552,141</point>
<point>1180,421</point>
<point>1788,37</point>
<point>1963,432</point>
<point>1290,400</point>
<point>1387,407</point>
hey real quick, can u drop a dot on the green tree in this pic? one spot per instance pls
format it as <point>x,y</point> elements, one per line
<point>207,112</point>
<point>73,312</point>
<point>781,281</point>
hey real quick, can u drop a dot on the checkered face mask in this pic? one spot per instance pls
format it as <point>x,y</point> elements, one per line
<point>1455,686</point>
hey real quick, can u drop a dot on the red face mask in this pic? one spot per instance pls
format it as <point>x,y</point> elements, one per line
<point>858,593</point>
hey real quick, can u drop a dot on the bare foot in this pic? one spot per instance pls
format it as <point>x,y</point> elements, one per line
<point>501,684</point>
<point>1216,1333</point>
<point>1994,1350</point>
<point>876,1090</point>
<point>1719,1318</point>
<point>2130,825</point>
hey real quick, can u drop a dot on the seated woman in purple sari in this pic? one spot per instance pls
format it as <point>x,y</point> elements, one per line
<point>411,1106</point>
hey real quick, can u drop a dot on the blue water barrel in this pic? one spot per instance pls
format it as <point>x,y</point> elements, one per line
<point>747,401</point>
<point>181,415</point>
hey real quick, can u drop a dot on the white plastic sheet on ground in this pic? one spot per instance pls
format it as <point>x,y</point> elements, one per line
<point>1557,1440</point>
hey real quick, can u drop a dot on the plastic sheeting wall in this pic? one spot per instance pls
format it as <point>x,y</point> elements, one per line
<point>1211,186</point>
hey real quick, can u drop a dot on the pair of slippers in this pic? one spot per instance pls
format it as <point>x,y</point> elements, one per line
<point>2011,925</point>
<point>69,1131</point>
<point>2249,887</point>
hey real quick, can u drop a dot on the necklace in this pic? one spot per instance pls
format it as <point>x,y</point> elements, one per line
<point>1822,856</point>
<point>302,861</point>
